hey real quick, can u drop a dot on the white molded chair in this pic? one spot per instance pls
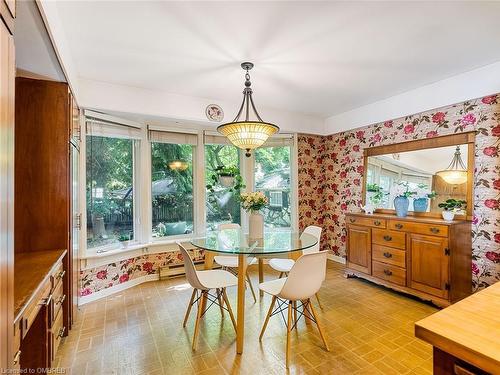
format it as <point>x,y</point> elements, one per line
<point>230,262</point>
<point>203,282</point>
<point>303,281</point>
<point>285,265</point>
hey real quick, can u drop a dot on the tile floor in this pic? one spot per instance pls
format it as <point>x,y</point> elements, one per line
<point>139,331</point>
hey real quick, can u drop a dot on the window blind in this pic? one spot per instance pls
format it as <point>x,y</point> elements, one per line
<point>173,137</point>
<point>104,125</point>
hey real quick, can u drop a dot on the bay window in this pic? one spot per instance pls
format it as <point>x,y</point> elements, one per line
<point>154,185</point>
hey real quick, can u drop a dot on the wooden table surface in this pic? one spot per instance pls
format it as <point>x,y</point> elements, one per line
<point>469,329</point>
<point>31,269</point>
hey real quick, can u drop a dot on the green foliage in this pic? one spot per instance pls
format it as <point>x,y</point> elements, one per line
<point>223,171</point>
<point>372,188</point>
<point>453,205</point>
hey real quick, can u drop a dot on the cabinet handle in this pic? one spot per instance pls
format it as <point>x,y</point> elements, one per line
<point>45,301</point>
<point>388,272</point>
<point>377,223</point>
<point>61,332</point>
<point>399,226</point>
<point>61,300</point>
<point>434,230</point>
<point>352,220</point>
<point>17,356</point>
<point>387,238</point>
<point>388,255</point>
<point>60,275</point>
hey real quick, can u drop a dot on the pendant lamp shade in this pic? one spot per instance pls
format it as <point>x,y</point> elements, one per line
<point>456,173</point>
<point>247,131</point>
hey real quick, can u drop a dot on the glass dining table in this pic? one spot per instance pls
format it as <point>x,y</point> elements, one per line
<point>275,243</point>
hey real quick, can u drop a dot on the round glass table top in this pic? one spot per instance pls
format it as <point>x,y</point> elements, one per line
<point>234,241</point>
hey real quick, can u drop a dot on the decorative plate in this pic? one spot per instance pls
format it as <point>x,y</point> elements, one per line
<point>214,112</point>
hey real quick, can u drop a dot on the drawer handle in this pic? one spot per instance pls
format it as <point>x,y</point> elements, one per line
<point>459,370</point>
<point>399,226</point>
<point>388,272</point>
<point>352,220</point>
<point>60,275</point>
<point>61,332</point>
<point>17,357</point>
<point>377,223</point>
<point>387,238</point>
<point>434,230</point>
<point>61,299</point>
<point>45,301</point>
<point>388,255</point>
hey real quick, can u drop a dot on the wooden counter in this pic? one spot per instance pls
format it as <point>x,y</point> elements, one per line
<point>469,331</point>
<point>31,271</point>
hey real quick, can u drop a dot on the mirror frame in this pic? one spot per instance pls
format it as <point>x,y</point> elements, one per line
<point>468,138</point>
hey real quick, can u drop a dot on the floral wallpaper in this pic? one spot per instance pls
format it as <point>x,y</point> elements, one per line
<point>96,279</point>
<point>331,174</point>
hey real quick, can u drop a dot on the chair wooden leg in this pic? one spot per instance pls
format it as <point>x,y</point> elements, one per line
<point>189,307</point>
<point>311,308</point>
<point>221,303</point>
<point>251,287</point>
<point>269,312</point>
<point>198,318</point>
<point>288,330</point>
<point>295,313</point>
<point>319,303</point>
<point>224,296</point>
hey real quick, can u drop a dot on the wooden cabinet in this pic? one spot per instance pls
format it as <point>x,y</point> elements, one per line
<point>429,270</point>
<point>359,248</point>
<point>426,257</point>
<point>8,353</point>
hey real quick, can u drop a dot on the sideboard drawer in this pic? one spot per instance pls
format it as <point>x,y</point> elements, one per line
<point>389,255</point>
<point>57,333</point>
<point>389,238</point>
<point>418,228</point>
<point>388,272</point>
<point>58,298</point>
<point>366,221</point>
<point>57,275</point>
<point>42,298</point>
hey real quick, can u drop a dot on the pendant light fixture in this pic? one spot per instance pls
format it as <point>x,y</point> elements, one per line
<point>247,131</point>
<point>456,173</point>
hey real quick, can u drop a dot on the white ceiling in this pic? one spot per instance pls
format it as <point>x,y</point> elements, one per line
<point>320,58</point>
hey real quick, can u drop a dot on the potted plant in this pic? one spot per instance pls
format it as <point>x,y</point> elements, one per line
<point>401,192</point>
<point>451,207</point>
<point>228,177</point>
<point>124,238</point>
<point>421,199</point>
<point>253,203</point>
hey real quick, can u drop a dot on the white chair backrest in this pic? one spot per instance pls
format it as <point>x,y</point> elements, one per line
<point>191,275</point>
<point>228,226</point>
<point>305,277</point>
<point>316,232</point>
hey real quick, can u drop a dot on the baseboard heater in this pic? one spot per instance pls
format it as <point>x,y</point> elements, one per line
<point>177,270</point>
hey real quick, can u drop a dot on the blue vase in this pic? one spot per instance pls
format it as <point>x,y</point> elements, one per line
<point>401,205</point>
<point>420,204</point>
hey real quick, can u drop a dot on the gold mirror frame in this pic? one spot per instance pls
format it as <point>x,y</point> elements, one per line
<point>468,138</point>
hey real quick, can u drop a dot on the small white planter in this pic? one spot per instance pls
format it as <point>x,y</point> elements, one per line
<point>256,226</point>
<point>226,181</point>
<point>448,215</point>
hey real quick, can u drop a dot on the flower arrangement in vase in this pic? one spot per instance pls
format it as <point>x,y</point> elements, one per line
<point>421,198</point>
<point>401,193</point>
<point>254,202</point>
<point>374,195</point>
<point>451,207</point>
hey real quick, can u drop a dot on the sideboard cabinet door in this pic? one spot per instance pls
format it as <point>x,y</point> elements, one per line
<point>429,271</point>
<point>359,256</point>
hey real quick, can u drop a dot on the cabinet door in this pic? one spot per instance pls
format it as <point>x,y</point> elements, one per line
<point>429,270</point>
<point>359,242</point>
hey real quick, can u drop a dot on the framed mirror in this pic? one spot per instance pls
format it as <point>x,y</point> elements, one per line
<point>431,170</point>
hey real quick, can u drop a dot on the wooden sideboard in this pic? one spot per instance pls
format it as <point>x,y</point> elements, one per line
<point>38,308</point>
<point>426,257</point>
